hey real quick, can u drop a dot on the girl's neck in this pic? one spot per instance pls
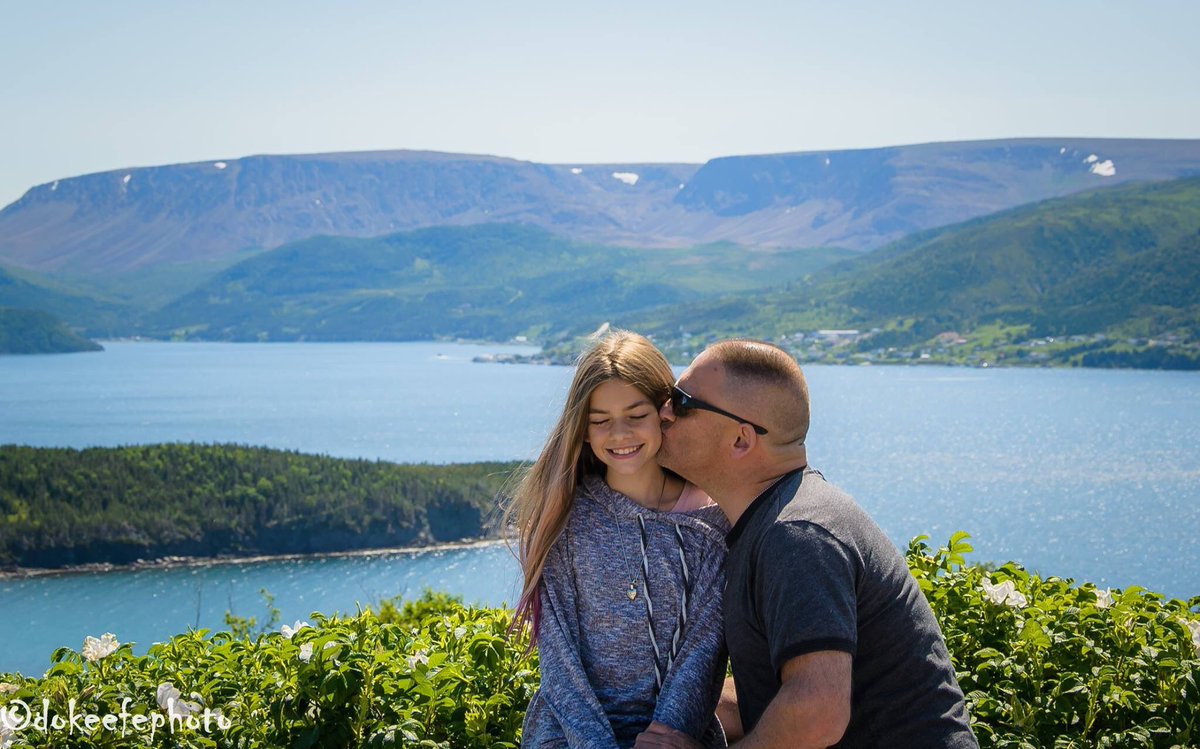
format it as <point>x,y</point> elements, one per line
<point>650,487</point>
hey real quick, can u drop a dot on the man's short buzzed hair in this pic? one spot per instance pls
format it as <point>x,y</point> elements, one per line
<point>757,363</point>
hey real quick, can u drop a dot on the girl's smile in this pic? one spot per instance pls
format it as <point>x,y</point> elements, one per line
<point>624,452</point>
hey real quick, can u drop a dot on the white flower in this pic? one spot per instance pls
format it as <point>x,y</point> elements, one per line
<point>168,698</point>
<point>1194,626</point>
<point>183,708</point>
<point>6,688</point>
<point>1005,593</point>
<point>8,728</point>
<point>1104,598</point>
<point>419,657</point>
<point>94,649</point>
<point>306,652</point>
<point>289,631</point>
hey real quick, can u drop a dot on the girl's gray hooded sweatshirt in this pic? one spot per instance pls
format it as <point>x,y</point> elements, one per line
<point>597,660</point>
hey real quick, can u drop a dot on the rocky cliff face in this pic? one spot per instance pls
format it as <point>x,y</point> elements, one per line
<point>119,221</point>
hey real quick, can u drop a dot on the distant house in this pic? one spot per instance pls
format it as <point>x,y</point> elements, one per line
<point>950,338</point>
<point>837,333</point>
<point>836,337</point>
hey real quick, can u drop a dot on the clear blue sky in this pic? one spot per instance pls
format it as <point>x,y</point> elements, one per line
<point>91,86</point>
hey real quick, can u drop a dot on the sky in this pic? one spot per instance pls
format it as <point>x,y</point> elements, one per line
<point>89,86</point>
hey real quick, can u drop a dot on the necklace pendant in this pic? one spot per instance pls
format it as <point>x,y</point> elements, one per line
<point>632,592</point>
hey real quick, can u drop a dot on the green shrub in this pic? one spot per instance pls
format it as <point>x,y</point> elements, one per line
<point>1044,663</point>
<point>457,680</point>
<point>413,613</point>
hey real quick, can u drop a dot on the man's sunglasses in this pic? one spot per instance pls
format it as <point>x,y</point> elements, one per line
<point>681,403</point>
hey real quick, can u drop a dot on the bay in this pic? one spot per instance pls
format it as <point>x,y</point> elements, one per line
<point>1091,474</point>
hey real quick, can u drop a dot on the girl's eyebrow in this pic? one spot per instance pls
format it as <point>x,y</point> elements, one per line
<point>630,407</point>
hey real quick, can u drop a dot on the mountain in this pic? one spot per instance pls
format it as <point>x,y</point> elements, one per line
<point>127,220</point>
<point>124,220</point>
<point>1123,261</point>
<point>24,331</point>
<point>492,281</point>
<point>867,198</point>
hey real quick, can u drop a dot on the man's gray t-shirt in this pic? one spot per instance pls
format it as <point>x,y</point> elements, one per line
<point>808,570</point>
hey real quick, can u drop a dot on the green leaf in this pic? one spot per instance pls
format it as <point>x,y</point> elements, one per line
<point>1034,634</point>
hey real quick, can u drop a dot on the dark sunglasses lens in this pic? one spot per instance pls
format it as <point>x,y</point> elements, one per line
<point>680,402</point>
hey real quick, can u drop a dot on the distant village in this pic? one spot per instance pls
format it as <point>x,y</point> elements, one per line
<point>851,346</point>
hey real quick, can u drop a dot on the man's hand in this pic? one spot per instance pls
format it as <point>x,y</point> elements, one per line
<point>661,736</point>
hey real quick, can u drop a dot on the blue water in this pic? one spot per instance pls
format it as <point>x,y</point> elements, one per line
<point>1082,473</point>
<point>423,402</point>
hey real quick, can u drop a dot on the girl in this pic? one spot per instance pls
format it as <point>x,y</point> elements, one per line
<point>623,566</point>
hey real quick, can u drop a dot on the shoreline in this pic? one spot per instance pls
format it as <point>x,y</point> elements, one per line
<point>543,356</point>
<point>164,563</point>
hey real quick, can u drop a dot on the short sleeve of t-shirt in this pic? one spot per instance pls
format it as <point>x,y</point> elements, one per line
<point>805,590</point>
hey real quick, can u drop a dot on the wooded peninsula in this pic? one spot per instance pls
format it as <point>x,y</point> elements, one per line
<point>63,507</point>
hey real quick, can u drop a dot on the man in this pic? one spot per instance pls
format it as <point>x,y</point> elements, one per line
<point>830,638</point>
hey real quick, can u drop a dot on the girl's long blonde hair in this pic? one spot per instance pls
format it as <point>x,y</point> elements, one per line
<point>544,496</point>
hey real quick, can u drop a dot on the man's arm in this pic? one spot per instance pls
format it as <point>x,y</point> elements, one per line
<point>810,711</point>
<point>811,626</point>
<point>812,707</point>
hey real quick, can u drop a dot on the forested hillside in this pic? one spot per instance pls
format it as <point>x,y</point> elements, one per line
<point>118,505</point>
<point>492,281</point>
<point>86,310</point>
<point>25,331</point>
<point>1118,266</point>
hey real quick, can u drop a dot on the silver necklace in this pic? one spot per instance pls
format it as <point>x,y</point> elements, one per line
<point>632,593</point>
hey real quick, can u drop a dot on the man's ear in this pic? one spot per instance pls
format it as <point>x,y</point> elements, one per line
<point>745,441</point>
